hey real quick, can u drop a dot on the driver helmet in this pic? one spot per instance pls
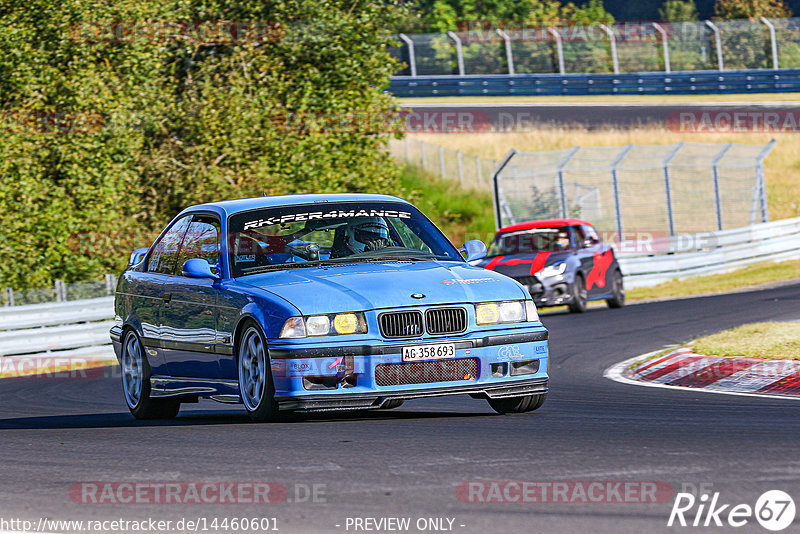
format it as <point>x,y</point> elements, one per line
<point>362,231</point>
<point>563,240</point>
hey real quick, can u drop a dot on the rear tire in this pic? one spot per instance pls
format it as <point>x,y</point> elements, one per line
<point>136,383</point>
<point>528,403</point>
<point>618,300</point>
<point>577,303</point>
<point>256,387</point>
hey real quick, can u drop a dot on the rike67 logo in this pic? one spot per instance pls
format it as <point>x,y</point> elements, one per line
<point>774,510</point>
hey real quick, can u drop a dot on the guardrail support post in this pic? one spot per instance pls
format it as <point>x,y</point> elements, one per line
<point>61,291</point>
<point>559,49</point>
<point>9,296</point>
<point>441,161</point>
<point>773,41</point>
<point>459,51</point>
<point>412,59</point>
<point>478,169</point>
<point>615,185</point>
<point>561,189</point>
<point>715,174</point>
<point>459,159</point>
<point>664,45</point>
<point>718,43</point>
<point>668,188</point>
<point>613,39</point>
<point>111,280</point>
<point>509,55</point>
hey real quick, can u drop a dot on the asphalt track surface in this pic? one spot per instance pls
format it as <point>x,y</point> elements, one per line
<point>409,462</point>
<point>503,116</point>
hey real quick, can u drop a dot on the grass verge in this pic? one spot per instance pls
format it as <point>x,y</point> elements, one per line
<point>779,341</point>
<point>719,283</point>
<point>781,167</point>
<point>461,213</point>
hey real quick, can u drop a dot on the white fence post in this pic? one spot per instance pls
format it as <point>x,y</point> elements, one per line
<point>459,158</point>
<point>668,188</point>
<point>615,185</point>
<point>441,161</point>
<point>412,60</point>
<point>459,51</point>
<point>664,45</point>
<point>718,42</point>
<point>773,41</point>
<point>509,55</point>
<point>715,174</point>
<point>613,39</point>
<point>561,189</point>
<point>478,169</point>
<point>760,177</point>
<point>559,49</point>
<point>424,155</point>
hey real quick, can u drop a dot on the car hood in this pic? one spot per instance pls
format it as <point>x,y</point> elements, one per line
<point>519,265</point>
<point>367,286</point>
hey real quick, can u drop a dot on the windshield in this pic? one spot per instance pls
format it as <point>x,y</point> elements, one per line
<point>332,232</point>
<point>533,240</point>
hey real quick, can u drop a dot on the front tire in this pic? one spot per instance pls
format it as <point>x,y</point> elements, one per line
<point>255,377</point>
<point>136,383</point>
<point>618,300</point>
<point>577,303</point>
<point>528,403</point>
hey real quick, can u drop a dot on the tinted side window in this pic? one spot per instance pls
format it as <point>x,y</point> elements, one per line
<point>591,233</point>
<point>201,241</point>
<point>165,252</point>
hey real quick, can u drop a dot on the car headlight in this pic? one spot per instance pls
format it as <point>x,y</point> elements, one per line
<point>324,325</point>
<point>510,311</point>
<point>553,270</point>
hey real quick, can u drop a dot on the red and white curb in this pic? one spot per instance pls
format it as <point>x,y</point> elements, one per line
<point>681,368</point>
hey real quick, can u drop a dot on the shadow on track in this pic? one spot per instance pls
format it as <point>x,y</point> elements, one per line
<point>195,418</point>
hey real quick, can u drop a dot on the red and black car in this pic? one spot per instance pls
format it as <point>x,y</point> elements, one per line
<point>560,261</point>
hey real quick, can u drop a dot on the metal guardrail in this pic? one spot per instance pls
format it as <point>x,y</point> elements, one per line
<point>56,313</point>
<point>74,329</point>
<point>683,82</point>
<point>710,253</point>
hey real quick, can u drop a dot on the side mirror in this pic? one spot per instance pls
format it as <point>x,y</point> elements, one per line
<point>474,249</point>
<point>197,268</point>
<point>137,256</point>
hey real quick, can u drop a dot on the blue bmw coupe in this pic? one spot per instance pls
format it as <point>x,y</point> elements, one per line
<point>320,302</point>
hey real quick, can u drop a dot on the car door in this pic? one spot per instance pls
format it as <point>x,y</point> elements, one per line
<point>593,260</point>
<point>189,314</point>
<point>147,290</point>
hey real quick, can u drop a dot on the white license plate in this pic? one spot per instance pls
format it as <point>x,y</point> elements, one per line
<point>416,353</point>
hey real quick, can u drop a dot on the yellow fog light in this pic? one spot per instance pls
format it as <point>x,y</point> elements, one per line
<point>346,323</point>
<point>487,313</point>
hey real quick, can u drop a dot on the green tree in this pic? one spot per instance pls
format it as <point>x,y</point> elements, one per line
<point>678,11</point>
<point>743,9</point>
<point>181,120</point>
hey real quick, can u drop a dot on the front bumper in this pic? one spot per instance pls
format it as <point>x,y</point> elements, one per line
<point>324,376</point>
<point>550,291</point>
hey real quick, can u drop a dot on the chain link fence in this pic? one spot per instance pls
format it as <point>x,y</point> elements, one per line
<point>757,43</point>
<point>468,170</point>
<point>59,292</point>
<point>676,189</point>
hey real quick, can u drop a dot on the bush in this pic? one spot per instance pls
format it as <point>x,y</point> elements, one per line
<point>159,124</point>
